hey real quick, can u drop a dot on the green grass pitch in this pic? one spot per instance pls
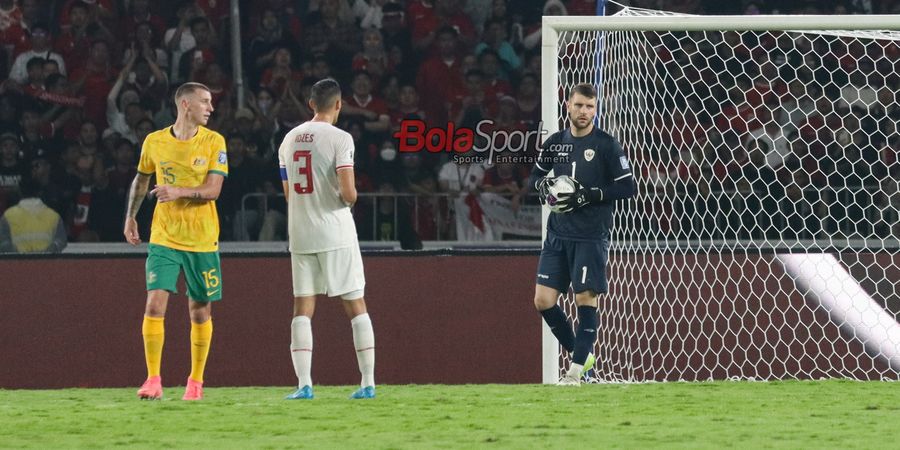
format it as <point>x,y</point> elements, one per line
<point>792,414</point>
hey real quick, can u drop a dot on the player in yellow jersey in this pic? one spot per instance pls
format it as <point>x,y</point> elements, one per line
<point>190,164</point>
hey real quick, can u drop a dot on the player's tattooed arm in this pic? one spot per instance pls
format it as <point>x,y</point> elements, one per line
<point>135,197</point>
<point>136,194</point>
<point>206,192</point>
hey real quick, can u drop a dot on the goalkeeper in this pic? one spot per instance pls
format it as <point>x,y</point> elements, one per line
<point>578,231</point>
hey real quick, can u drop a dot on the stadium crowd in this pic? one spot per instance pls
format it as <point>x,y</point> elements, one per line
<point>89,79</point>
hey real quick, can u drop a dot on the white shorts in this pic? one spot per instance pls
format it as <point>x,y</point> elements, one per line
<point>333,273</point>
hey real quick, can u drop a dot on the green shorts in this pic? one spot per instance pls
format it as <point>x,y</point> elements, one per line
<point>202,272</point>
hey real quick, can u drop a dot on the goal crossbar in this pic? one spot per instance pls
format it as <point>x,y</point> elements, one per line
<point>719,23</point>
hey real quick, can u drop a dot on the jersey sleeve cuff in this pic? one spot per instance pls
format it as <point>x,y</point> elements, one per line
<point>345,166</point>
<point>145,173</point>
<point>219,172</point>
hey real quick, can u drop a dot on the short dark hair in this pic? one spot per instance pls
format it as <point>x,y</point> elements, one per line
<point>35,62</point>
<point>53,79</point>
<point>446,29</point>
<point>79,5</point>
<point>29,187</point>
<point>189,88</point>
<point>197,21</point>
<point>40,26</point>
<point>585,89</point>
<point>324,93</point>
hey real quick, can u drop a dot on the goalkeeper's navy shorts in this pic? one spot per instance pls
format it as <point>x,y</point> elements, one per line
<point>583,264</point>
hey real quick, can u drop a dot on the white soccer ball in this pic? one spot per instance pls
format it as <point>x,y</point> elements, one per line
<point>561,185</point>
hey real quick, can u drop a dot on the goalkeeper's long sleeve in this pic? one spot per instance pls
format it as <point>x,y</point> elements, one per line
<point>621,189</point>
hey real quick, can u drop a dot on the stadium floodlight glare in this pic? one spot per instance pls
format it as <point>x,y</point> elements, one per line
<point>761,145</point>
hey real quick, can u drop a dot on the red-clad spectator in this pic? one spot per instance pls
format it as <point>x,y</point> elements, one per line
<point>494,84</point>
<point>100,10</point>
<point>441,70</point>
<point>262,12</point>
<point>472,105</point>
<point>204,52</point>
<point>215,10</point>
<point>139,13</point>
<point>88,139</point>
<point>583,7</point>
<point>270,36</point>
<point>408,106</point>
<point>64,114</point>
<point>10,14</point>
<point>332,36</point>
<point>73,43</point>
<point>362,103</point>
<point>218,82</point>
<point>94,81</point>
<point>373,58</point>
<point>281,73</point>
<point>446,13</point>
<point>528,98</point>
<point>395,30</point>
<point>12,34</point>
<point>419,10</point>
<point>321,69</point>
<point>145,44</point>
<point>32,13</point>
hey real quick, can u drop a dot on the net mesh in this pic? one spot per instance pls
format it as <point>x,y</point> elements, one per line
<point>762,243</point>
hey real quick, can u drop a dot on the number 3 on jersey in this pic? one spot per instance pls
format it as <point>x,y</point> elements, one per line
<point>305,170</point>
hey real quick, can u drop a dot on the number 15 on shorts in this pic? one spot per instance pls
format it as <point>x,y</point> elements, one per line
<point>211,279</point>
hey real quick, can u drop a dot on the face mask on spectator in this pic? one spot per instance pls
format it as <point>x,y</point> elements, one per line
<point>388,154</point>
<point>264,105</point>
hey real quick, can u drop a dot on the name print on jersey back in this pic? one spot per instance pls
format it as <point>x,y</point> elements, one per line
<point>310,155</point>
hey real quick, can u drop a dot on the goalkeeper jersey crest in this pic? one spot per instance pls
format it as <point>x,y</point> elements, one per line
<point>596,160</point>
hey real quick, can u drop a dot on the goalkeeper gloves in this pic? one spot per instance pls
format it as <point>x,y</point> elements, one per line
<point>580,198</point>
<point>543,187</point>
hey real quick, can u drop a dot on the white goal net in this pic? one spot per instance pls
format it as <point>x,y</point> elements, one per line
<point>762,243</point>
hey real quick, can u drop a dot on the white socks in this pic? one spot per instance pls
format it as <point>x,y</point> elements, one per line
<point>364,341</point>
<point>301,349</point>
<point>302,346</point>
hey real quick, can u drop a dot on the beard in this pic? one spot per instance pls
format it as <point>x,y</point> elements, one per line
<point>579,125</point>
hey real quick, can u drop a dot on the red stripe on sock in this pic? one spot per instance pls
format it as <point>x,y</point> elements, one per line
<point>364,349</point>
<point>301,350</point>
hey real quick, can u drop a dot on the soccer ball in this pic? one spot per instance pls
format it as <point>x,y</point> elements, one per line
<point>561,185</point>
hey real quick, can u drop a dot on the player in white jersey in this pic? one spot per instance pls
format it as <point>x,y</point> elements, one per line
<point>316,160</point>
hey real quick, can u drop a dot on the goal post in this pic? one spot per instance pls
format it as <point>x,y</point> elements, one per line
<point>763,241</point>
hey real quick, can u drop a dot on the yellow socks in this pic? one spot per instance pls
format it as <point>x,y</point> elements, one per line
<point>201,335</point>
<point>154,335</point>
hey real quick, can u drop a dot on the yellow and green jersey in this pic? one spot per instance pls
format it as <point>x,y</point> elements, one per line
<point>183,224</point>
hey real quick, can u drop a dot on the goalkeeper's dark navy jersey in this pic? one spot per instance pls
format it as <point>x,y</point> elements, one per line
<point>595,161</point>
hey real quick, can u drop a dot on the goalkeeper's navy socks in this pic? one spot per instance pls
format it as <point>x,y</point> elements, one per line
<point>587,333</point>
<point>559,325</point>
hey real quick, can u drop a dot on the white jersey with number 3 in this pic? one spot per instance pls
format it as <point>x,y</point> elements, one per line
<point>318,219</point>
